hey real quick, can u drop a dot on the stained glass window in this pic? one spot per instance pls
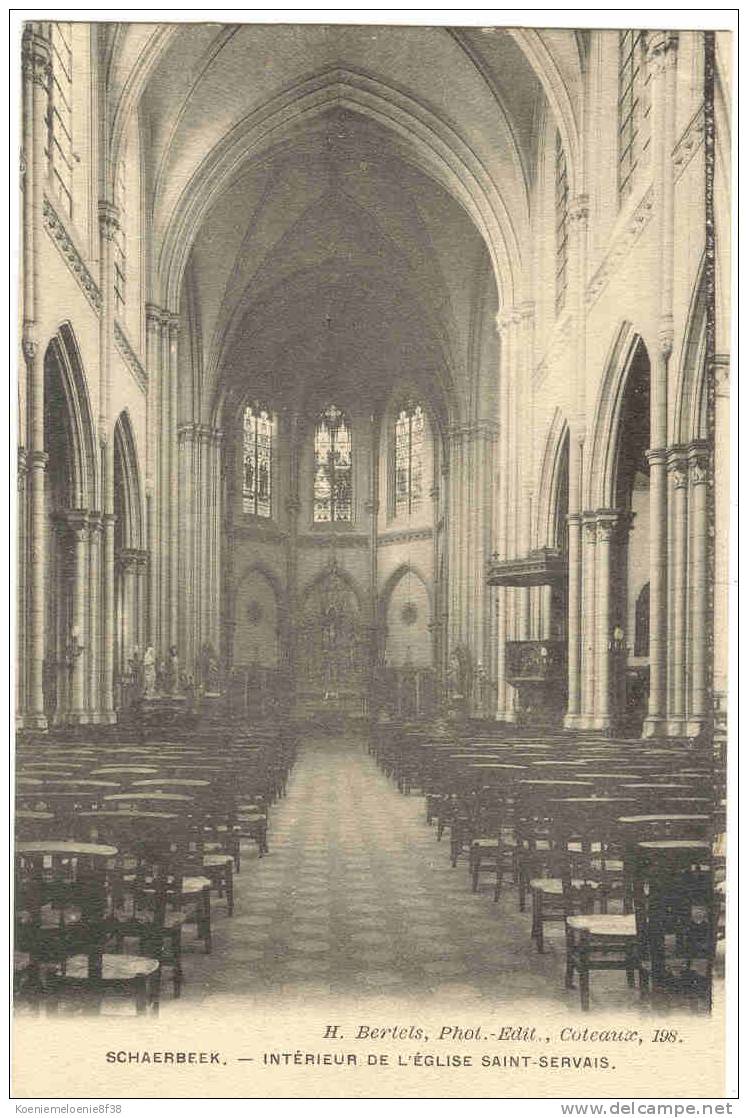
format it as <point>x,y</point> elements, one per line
<point>562,225</point>
<point>333,488</point>
<point>409,467</point>
<point>633,106</point>
<point>257,460</point>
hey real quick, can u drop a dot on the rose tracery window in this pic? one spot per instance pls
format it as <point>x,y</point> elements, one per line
<point>333,466</point>
<point>409,458</point>
<point>257,460</point>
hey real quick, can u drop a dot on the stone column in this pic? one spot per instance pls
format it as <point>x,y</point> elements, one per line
<point>95,530</point>
<point>574,622</point>
<point>188,518</point>
<point>721,374</point>
<point>678,468</point>
<point>607,523</point>
<point>507,323</point>
<point>21,543</point>
<point>164,489</point>
<point>108,227</point>
<point>36,78</point>
<point>153,477</point>
<point>698,461</point>
<point>78,523</point>
<point>589,643</point>
<point>216,550</point>
<point>662,50</point>
<point>578,231</point>
<point>173,626</point>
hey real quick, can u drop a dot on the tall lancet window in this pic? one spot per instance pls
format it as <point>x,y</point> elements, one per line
<point>562,225</point>
<point>634,105</point>
<point>257,460</point>
<point>60,114</point>
<point>333,468</point>
<point>409,454</point>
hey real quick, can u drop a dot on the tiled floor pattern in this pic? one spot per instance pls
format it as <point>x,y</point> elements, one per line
<point>357,899</point>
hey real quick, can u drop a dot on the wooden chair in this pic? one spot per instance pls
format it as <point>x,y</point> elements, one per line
<point>63,922</point>
<point>676,918</point>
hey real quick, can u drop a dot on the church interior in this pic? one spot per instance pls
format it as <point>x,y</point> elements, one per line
<point>373,448</point>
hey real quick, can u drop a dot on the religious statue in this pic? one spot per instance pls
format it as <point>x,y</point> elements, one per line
<point>149,672</point>
<point>172,671</point>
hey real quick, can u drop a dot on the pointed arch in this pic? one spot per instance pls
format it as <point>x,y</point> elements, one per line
<point>600,486</point>
<point>393,580</point>
<point>128,489</point>
<point>332,570</point>
<point>689,418</point>
<point>555,459</point>
<point>429,142</point>
<point>63,361</point>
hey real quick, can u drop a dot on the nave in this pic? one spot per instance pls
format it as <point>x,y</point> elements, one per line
<point>233,866</point>
<point>356,899</point>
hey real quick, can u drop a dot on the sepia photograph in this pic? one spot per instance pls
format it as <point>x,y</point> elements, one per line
<point>370,556</point>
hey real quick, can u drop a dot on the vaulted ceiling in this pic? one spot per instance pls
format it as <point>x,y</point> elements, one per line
<point>339,200</point>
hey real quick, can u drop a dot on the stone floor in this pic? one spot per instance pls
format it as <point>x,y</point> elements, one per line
<point>358,899</point>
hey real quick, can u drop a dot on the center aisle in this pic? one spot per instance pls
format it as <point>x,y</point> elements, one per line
<point>357,897</point>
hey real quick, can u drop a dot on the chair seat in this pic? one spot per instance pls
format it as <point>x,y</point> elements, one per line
<point>194,884</point>
<point>602,924</point>
<point>115,968</point>
<point>172,919</point>
<point>213,861</point>
<point>554,885</point>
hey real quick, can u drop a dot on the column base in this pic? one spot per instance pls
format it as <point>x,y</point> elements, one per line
<point>107,718</point>
<point>35,722</point>
<point>506,716</point>
<point>79,717</point>
<point>694,727</point>
<point>655,726</point>
<point>574,722</point>
<point>676,728</point>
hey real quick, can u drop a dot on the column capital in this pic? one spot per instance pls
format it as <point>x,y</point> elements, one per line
<point>589,526</point>
<point>173,322</point>
<point>38,459</point>
<point>721,373</point>
<point>609,521</point>
<point>506,318</point>
<point>656,456</point>
<point>154,317</point>
<point>666,336</point>
<point>29,344</point>
<point>188,432</point>
<point>36,61</point>
<point>661,49</point>
<point>677,464</point>
<point>108,219</point>
<point>699,463</point>
<point>579,210</point>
